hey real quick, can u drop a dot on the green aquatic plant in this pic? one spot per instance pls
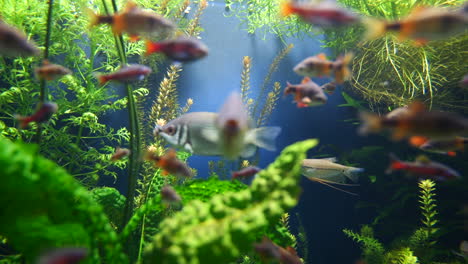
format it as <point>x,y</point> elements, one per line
<point>372,249</point>
<point>221,229</point>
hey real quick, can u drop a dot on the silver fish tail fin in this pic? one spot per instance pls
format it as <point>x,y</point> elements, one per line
<point>264,137</point>
<point>353,173</point>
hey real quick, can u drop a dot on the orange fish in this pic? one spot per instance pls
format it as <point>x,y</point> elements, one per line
<point>324,14</point>
<point>170,164</point>
<point>120,153</point>
<point>442,146</point>
<point>127,73</point>
<point>181,49</point>
<point>307,93</point>
<point>320,66</point>
<point>49,71</point>
<point>416,122</point>
<point>422,25</point>
<point>43,114</point>
<point>135,22</point>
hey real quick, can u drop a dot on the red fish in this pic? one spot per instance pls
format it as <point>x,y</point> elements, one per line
<point>324,14</point>
<point>49,71</point>
<point>269,250</point>
<point>127,73</point>
<point>169,195</point>
<point>63,256</point>
<point>181,49</point>
<point>245,172</point>
<point>448,146</point>
<point>170,164</point>
<point>120,153</point>
<point>43,114</point>
<point>307,93</point>
<point>423,167</point>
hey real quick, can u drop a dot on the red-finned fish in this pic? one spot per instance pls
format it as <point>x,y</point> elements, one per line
<point>127,73</point>
<point>48,71</point>
<point>269,250</point>
<point>245,173</point>
<point>43,114</point>
<point>422,25</point>
<point>232,123</point>
<point>320,66</point>
<point>424,168</point>
<point>307,93</point>
<point>329,88</point>
<point>63,256</point>
<point>417,122</point>
<point>324,14</point>
<point>135,21</point>
<point>170,164</point>
<point>182,49</point>
<point>120,153</point>
<point>14,43</point>
<point>169,195</point>
<point>442,146</point>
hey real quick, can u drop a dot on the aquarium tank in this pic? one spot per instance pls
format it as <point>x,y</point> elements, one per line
<point>234,131</point>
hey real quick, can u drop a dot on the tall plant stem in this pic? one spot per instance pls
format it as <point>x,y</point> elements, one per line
<point>43,89</point>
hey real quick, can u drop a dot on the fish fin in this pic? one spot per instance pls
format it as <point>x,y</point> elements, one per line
<point>417,141</point>
<point>165,173</point>
<point>286,9</point>
<point>306,100</point>
<point>264,137</point>
<point>188,147</point>
<point>371,123</point>
<point>322,56</point>
<point>102,78</point>
<point>119,24</point>
<point>399,134</point>
<point>416,107</point>
<point>375,28</point>
<point>93,17</point>
<point>331,159</point>
<point>353,173</point>
<point>23,121</point>
<point>423,159</point>
<point>452,153</point>
<point>171,154</point>
<point>134,38</point>
<point>330,184</point>
<point>420,42</point>
<point>152,47</point>
<point>306,80</point>
<point>45,62</point>
<point>406,29</point>
<point>130,6</point>
<point>395,163</point>
<point>301,105</point>
<point>249,151</point>
<point>210,133</point>
<point>418,10</point>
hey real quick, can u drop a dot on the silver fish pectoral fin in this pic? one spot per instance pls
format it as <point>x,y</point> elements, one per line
<point>210,133</point>
<point>188,147</point>
<point>249,151</point>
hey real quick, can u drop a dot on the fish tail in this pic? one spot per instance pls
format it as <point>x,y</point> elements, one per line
<point>353,173</point>
<point>375,28</point>
<point>371,123</point>
<point>152,47</point>
<point>286,9</point>
<point>102,79</point>
<point>264,137</point>
<point>96,19</point>
<point>418,141</point>
<point>452,153</point>
<point>395,164</point>
<point>342,70</point>
<point>23,121</point>
<point>118,24</point>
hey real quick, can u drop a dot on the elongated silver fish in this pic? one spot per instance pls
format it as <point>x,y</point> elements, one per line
<point>328,170</point>
<point>198,133</point>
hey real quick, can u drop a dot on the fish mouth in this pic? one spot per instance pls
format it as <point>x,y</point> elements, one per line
<point>157,129</point>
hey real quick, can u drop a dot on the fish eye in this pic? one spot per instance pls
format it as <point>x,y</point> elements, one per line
<point>171,130</point>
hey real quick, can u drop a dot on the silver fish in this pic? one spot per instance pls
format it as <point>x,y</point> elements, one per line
<point>328,170</point>
<point>197,133</point>
<point>14,43</point>
<point>307,93</point>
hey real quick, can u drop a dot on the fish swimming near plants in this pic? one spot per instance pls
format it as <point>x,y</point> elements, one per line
<point>232,123</point>
<point>170,164</point>
<point>135,22</point>
<point>443,146</point>
<point>182,49</point>
<point>307,93</point>
<point>245,173</point>
<point>417,122</point>
<point>327,172</point>
<point>398,112</point>
<point>423,24</point>
<point>319,65</point>
<point>324,14</point>
<point>269,250</point>
<point>423,167</point>
<point>199,133</point>
<point>14,43</point>
<point>49,71</point>
<point>63,256</point>
<point>169,196</point>
<point>120,153</point>
<point>126,73</point>
<point>43,114</point>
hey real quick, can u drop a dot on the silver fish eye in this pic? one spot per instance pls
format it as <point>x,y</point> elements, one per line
<point>171,130</point>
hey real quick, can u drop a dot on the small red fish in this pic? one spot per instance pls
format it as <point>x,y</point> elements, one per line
<point>269,250</point>
<point>120,153</point>
<point>127,73</point>
<point>63,256</point>
<point>169,195</point>
<point>170,164</point>
<point>324,14</point>
<point>49,71</point>
<point>245,172</point>
<point>448,146</point>
<point>424,168</point>
<point>307,93</point>
<point>181,49</point>
<point>43,114</point>
<point>319,65</point>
